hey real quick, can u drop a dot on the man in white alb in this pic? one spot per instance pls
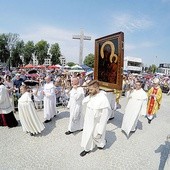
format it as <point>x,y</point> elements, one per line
<point>49,100</point>
<point>75,106</point>
<point>136,106</point>
<point>97,112</point>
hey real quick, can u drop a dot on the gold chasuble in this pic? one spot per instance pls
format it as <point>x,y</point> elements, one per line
<point>154,102</point>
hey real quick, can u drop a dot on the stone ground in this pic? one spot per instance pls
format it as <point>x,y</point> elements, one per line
<point>146,149</point>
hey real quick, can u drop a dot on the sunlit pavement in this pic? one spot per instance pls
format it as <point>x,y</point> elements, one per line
<point>146,149</point>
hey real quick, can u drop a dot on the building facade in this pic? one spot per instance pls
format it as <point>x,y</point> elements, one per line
<point>62,60</point>
<point>34,60</point>
<point>164,69</point>
<point>133,65</point>
<point>47,61</point>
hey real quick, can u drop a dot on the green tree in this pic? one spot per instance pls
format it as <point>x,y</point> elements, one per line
<point>4,53</point>
<point>89,60</point>
<point>70,64</point>
<point>16,53</point>
<point>41,51</point>
<point>152,68</point>
<point>7,44</point>
<point>55,54</point>
<point>28,51</point>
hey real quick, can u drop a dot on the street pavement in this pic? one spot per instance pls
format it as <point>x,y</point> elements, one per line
<point>146,149</point>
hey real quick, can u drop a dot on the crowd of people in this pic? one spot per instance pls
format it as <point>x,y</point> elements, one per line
<point>90,108</point>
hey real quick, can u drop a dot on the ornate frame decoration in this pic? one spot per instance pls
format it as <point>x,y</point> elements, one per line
<point>109,58</point>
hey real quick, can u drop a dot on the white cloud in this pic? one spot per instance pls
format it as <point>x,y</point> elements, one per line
<point>133,49</point>
<point>130,23</point>
<point>69,47</point>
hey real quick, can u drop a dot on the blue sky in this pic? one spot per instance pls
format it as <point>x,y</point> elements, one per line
<point>146,24</point>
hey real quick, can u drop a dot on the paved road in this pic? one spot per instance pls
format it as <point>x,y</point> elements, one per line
<point>146,149</point>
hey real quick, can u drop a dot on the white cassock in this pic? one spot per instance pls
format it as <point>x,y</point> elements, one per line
<point>75,106</point>
<point>112,99</point>
<point>49,101</point>
<point>97,110</point>
<point>136,106</point>
<point>28,116</point>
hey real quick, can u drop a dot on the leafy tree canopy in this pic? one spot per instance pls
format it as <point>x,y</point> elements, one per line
<point>28,51</point>
<point>16,53</point>
<point>89,60</point>
<point>55,54</point>
<point>41,51</point>
<point>7,44</point>
<point>70,64</point>
<point>152,68</point>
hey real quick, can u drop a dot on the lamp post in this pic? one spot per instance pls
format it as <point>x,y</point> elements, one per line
<point>9,47</point>
<point>9,60</point>
<point>22,59</point>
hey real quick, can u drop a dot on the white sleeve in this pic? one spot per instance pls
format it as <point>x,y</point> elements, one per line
<point>2,95</point>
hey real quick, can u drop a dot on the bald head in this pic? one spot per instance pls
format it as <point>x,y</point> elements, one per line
<point>74,81</point>
<point>48,79</point>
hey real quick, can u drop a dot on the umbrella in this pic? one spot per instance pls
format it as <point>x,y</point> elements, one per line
<point>67,67</point>
<point>86,68</point>
<point>53,66</point>
<point>58,65</point>
<point>40,66</point>
<point>32,75</point>
<point>76,67</point>
<point>32,71</point>
<point>29,66</point>
<point>89,72</point>
<point>30,82</point>
<point>76,71</point>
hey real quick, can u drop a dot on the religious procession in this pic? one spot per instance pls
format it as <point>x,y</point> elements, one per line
<point>92,97</point>
<point>26,92</point>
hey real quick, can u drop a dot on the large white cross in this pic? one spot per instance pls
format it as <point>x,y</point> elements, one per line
<point>81,37</point>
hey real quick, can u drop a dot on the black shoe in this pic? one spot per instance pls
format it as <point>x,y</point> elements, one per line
<point>31,134</point>
<point>133,131</point>
<point>111,118</point>
<point>46,121</point>
<point>68,133</point>
<point>149,121</point>
<point>84,153</point>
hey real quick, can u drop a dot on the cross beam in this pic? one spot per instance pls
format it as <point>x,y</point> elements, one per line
<point>81,37</point>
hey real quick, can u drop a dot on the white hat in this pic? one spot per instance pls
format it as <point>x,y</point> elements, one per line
<point>156,81</point>
<point>18,74</point>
